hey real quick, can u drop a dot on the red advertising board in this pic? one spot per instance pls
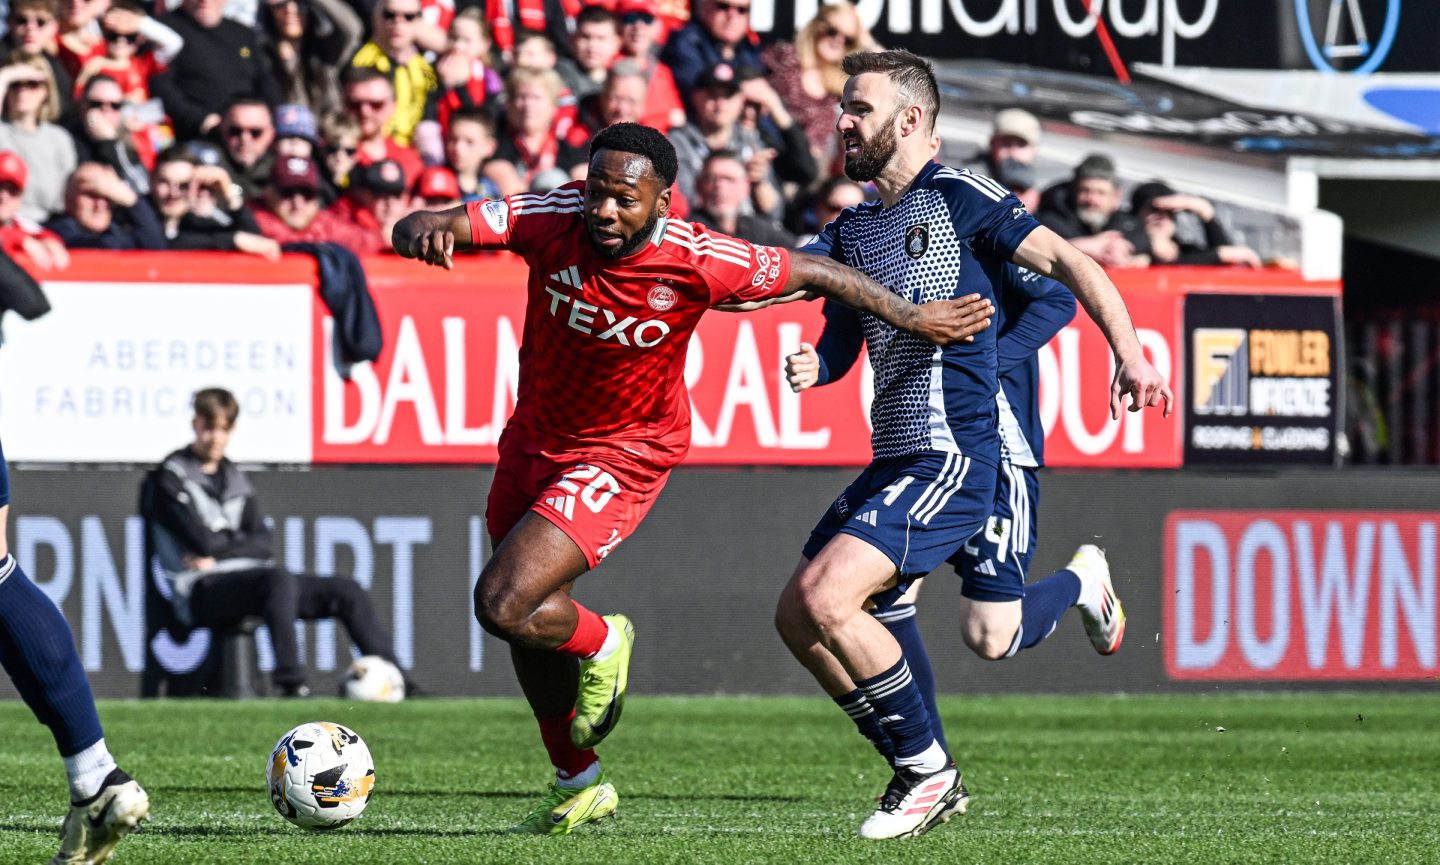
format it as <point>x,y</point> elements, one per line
<point>446,380</point>
<point>1300,595</point>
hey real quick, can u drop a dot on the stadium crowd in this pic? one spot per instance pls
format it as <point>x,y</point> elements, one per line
<point>235,125</point>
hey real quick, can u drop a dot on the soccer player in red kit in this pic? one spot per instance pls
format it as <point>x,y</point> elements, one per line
<point>602,415</point>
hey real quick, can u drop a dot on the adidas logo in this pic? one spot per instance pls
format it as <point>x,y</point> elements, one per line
<point>563,504</point>
<point>871,518</point>
<point>569,276</point>
<point>987,567</point>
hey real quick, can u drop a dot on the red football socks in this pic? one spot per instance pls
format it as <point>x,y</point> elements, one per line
<point>589,636</point>
<point>567,759</point>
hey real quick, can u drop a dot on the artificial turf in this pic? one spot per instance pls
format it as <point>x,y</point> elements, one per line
<point>1294,778</point>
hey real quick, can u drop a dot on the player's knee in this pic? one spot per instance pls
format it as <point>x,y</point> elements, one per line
<point>790,618</point>
<point>988,644</point>
<point>500,613</point>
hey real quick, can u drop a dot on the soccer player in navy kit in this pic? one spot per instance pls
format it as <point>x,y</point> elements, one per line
<point>935,233</point>
<point>995,563</point>
<point>39,655</point>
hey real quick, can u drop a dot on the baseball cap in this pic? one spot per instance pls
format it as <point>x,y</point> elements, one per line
<point>635,7</point>
<point>296,121</point>
<point>204,152</point>
<point>385,177</point>
<point>12,169</point>
<point>438,181</point>
<point>1148,192</point>
<point>1019,123</point>
<point>295,173</point>
<point>721,75</point>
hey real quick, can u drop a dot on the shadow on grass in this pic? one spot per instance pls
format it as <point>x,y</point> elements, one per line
<point>497,794</point>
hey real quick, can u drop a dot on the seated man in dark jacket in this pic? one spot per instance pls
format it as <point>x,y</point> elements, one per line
<point>211,543</point>
<point>104,212</point>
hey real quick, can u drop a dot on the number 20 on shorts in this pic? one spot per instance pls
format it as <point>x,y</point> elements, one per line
<point>595,487</point>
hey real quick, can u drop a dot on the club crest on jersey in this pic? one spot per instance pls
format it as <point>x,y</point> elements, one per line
<point>661,298</point>
<point>917,239</point>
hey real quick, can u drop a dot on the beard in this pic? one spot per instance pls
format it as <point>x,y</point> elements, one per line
<point>874,154</point>
<point>632,243</point>
<point>1093,218</point>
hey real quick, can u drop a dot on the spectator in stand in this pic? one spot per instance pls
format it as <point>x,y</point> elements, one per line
<point>20,238</point>
<point>437,189</point>
<point>715,125</point>
<point>178,176</point>
<point>1085,210</point>
<point>1010,157</point>
<point>248,131</point>
<point>295,132</point>
<point>833,197</point>
<point>370,99</point>
<point>221,61</point>
<point>380,197</point>
<point>640,34</point>
<point>102,132</point>
<point>807,75</point>
<point>621,100</point>
<point>596,44</point>
<point>467,80</point>
<point>291,210</point>
<point>433,31</point>
<point>538,52</point>
<point>785,146</point>
<point>468,147</point>
<point>103,212</point>
<point>510,22</point>
<point>79,32</point>
<point>340,143</point>
<point>132,48</point>
<point>722,193</point>
<point>395,53</point>
<point>306,43</point>
<point>1157,205</point>
<point>31,104</point>
<point>719,34</point>
<point>528,140</point>
<point>34,28</point>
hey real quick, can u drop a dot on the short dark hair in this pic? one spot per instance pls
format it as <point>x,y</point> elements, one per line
<point>723,153</point>
<point>131,6</point>
<point>642,141</point>
<point>361,74</point>
<point>593,14</point>
<point>474,114</point>
<point>214,403</point>
<point>913,76</point>
<point>176,153</point>
<point>243,100</point>
<point>99,78</point>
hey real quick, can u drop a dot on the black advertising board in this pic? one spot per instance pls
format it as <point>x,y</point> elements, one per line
<point>1264,383</point>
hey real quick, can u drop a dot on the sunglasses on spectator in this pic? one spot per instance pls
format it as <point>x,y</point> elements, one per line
<point>372,104</point>
<point>391,15</point>
<point>183,187</point>
<point>738,9</point>
<point>253,132</point>
<point>19,21</point>
<point>637,18</point>
<point>28,84</point>
<point>107,104</point>
<point>831,33</point>
<point>133,37</point>
<point>336,148</point>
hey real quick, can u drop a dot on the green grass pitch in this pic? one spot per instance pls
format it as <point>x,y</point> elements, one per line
<point>1294,778</point>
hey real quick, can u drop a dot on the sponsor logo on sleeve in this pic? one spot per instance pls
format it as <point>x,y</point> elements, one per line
<point>496,214</point>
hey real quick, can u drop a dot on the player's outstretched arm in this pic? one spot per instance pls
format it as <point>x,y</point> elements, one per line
<point>432,236</point>
<point>1045,252</point>
<point>940,322</point>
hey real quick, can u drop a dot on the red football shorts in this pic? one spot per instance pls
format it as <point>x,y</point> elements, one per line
<point>596,499</point>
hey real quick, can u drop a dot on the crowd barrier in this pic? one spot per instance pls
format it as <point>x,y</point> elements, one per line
<point>1299,577</point>
<point>1253,357</point>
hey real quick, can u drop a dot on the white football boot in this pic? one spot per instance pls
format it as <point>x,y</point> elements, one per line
<point>1099,605</point>
<point>95,826</point>
<point>915,802</point>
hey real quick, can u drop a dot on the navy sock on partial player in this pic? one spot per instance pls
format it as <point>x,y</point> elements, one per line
<point>863,714</point>
<point>36,649</point>
<point>900,621</point>
<point>1045,603</point>
<point>897,701</point>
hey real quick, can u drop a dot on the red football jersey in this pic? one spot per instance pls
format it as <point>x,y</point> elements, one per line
<point>602,360</point>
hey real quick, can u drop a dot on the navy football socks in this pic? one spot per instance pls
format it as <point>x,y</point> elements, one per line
<point>863,714</point>
<point>900,621</point>
<point>1045,603</point>
<point>36,649</point>
<point>897,701</point>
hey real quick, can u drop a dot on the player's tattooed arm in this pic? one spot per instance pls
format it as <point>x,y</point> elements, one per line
<point>940,322</point>
<point>432,236</point>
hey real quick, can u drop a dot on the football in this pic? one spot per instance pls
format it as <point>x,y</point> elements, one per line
<point>372,679</point>
<point>320,775</point>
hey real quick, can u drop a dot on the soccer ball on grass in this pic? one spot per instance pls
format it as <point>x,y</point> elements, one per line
<point>372,679</point>
<point>320,775</point>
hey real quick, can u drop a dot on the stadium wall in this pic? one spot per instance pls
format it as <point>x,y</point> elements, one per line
<point>1264,579</point>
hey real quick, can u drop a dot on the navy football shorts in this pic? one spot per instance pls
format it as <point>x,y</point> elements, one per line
<point>917,509</point>
<point>994,563</point>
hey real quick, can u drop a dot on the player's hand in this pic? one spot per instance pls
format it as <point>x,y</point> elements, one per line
<point>431,243</point>
<point>802,369</point>
<point>1138,379</point>
<point>945,321</point>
